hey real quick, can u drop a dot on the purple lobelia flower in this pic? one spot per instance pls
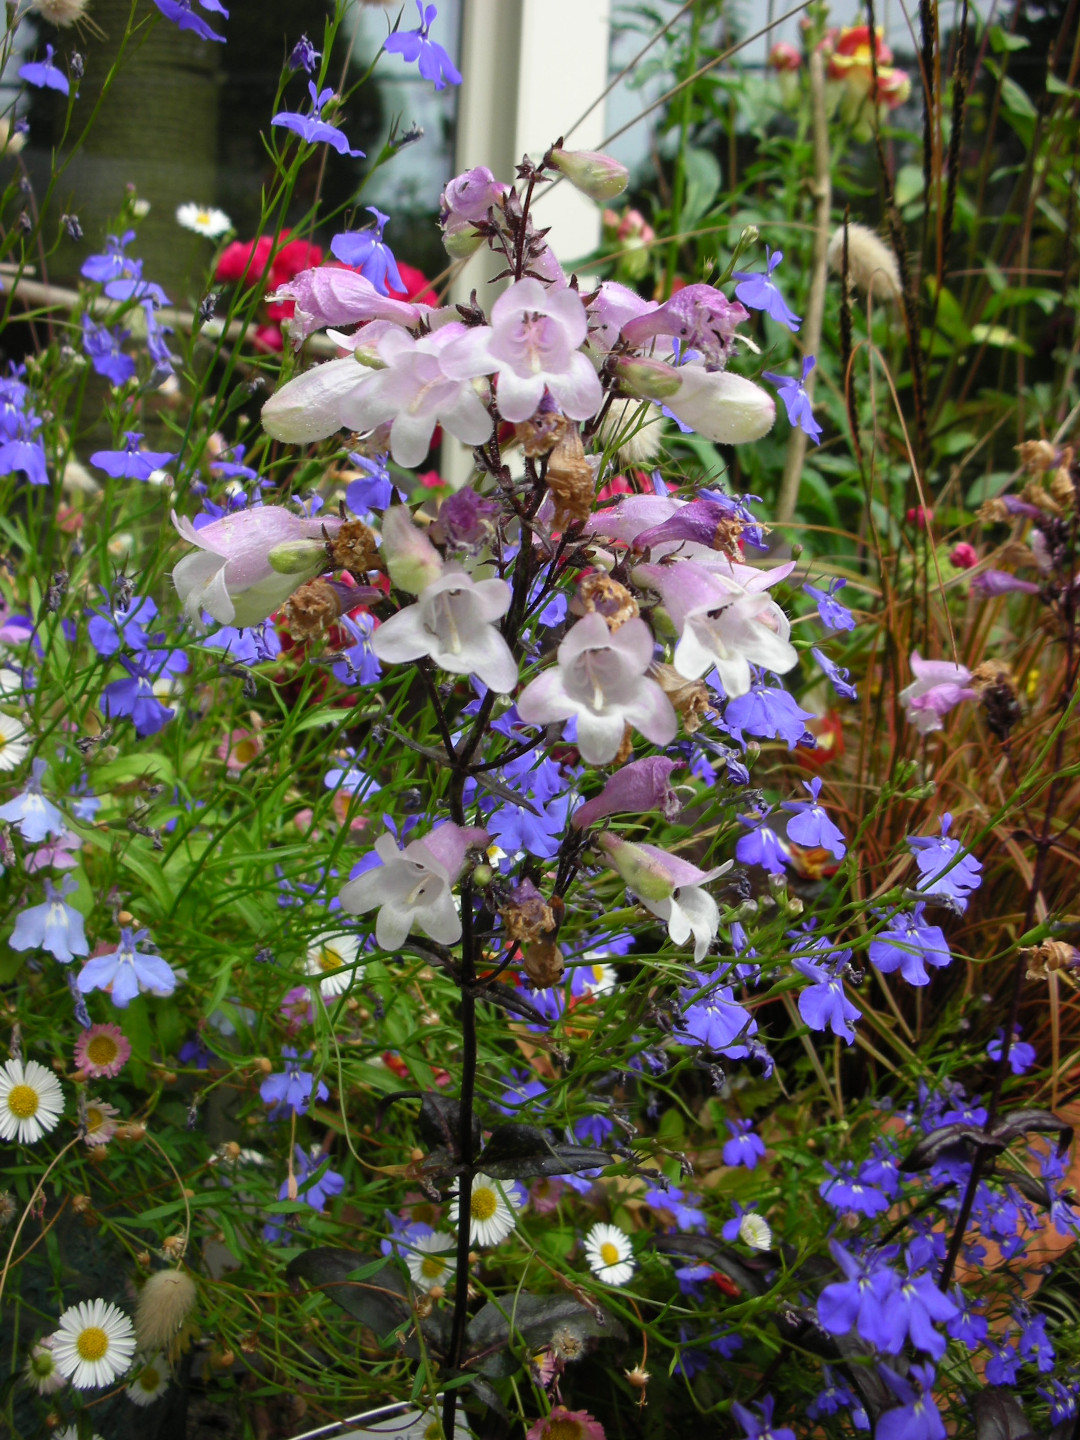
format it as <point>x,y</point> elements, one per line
<point>104,350</point>
<point>453,623</point>
<point>303,56</point>
<point>54,926</point>
<point>131,463</point>
<point>769,711</point>
<point>944,866</point>
<point>135,698</point>
<point>760,1426</point>
<point>917,1417</point>
<point>532,344</point>
<point>745,1147</point>
<point>32,815</point>
<point>862,1301</point>
<point>312,128</point>
<point>823,1004</point>
<point>601,680</point>
<point>124,624</point>
<point>846,1192</point>
<point>412,887</point>
<point>184,18</point>
<point>359,665</point>
<point>838,677</point>
<point>761,292</point>
<point>44,75</point>
<point>795,398</point>
<point>127,971</point>
<point>289,1091</point>
<point>374,489</point>
<point>1062,1401</point>
<point>312,1181</point>
<point>909,944</point>
<point>937,687</point>
<point>921,1306</point>
<point>831,613</point>
<point>417,48</point>
<point>1021,1055</point>
<point>836,1397</point>
<point>713,1017</point>
<point>367,251</point>
<point>761,846</point>
<point>518,828</point>
<point>700,317</point>
<point>811,827</point>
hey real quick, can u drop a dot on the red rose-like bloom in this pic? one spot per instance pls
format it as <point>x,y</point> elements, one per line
<point>563,1424</point>
<point>244,258</point>
<point>964,556</point>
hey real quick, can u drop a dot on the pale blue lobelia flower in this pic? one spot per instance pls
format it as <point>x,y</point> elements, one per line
<point>796,401</point>
<point>33,816</point>
<point>54,926</point>
<point>761,292</point>
<point>415,47</point>
<point>127,971</point>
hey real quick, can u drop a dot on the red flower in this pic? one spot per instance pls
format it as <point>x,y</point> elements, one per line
<point>417,286</point>
<point>244,258</point>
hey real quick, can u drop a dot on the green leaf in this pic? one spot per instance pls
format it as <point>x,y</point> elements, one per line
<point>702,185</point>
<point>999,338</point>
<point>909,184</point>
<point>1001,40</point>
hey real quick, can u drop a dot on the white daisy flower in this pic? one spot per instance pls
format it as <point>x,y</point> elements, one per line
<point>30,1101</point>
<point>491,1209</point>
<point>14,743</point>
<point>42,1371</point>
<point>204,220</point>
<point>328,955</point>
<point>610,1254</point>
<point>93,1344</point>
<point>755,1232</point>
<point>431,1260</point>
<point>599,978</point>
<point>71,1432</point>
<point>151,1380</point>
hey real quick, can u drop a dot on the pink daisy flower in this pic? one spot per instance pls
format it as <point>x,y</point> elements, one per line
<point>102,1051</point>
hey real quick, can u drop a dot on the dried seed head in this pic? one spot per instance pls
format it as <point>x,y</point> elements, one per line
<point>1037,456</point>
<point>173,1246</point>
<point>542,961</point>
<point>526,916</point>
<point>993,512</point>
<point>60,13</point>
<point>871,264</point>
<point>1035,495</point>
<point>567,1344</point>
<point>998,696</point>
<point>571,480</point>
<point>597,591</point>
<point>311,610</point>
<point>542,432</point>
<point>353,548</point>
<point>626,749</point>
<point>690,698</point>
<point>1063,484</point>
<point>1053,957</point>
<point>165,1302</point>
<point>638,1377</point>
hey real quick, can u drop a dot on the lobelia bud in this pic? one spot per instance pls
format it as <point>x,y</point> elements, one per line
<point>599,176</point>
<point>411,560</point>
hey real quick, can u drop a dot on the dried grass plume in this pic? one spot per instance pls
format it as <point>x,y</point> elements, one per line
<point>872,266</point>
<point>165,1302</point>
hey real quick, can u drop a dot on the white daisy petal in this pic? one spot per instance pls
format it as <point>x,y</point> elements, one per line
<point>610,1254</point>
<point>431,1260</point>
<point>93,1344</point>
<point>31,1101</point>
<point>204,220</point>
<point>14,741</point>
<point>332,956</point>
<point>491,1211</point>
<point>151,1380</point>
<point>755,1232</point>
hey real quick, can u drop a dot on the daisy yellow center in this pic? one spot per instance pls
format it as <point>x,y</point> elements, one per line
<point>484,1204</point>
<point>149,1378</point>
<point>608,1253</point>
<point>432,1266</point>
<point>563,1430</point>
<point>245,751</point>
<point>93,1343</point>
<point>329,959</point>
<point>597,974</point>
<point>102,1050</point>
<point>95,1118</point>
<point>203,217</point>
<point>3,740</point>
<point>433,1431</point>
<point>23,1101</point>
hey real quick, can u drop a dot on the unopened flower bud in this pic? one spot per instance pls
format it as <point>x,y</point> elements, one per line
<point>297,557</point>
<point>644,875</point>
<point>599,176</point>
<point>411,560</point>
<point>647,379</point>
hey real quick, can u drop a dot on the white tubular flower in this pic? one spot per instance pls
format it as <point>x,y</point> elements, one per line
<point>305,409</point>
<point>151,1380</point>
<point>671,889</point>
<point>328,956</point>
<point>31,1101</point>
<point>601,680</point>
<point>453,622</point>
<point>491,1209</point>
<point>724,620</point>
<point>755,1232</point>
<point>412,887</point>
<point>610,1254</point>
<point>430,1260</point>
<point>93,1344</point>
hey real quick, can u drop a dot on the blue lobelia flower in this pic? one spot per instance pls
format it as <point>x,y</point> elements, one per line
<point>44,75</point>
<point>33,816</point>
<point>917,1417</point>
<point>760,292</point>
<point>121,274</point>
<point>374,489</point>
<point>745,1147</point>
<point>184,18</point>
<point>823,1004</point>
<point>1021,1055</point>
<point>303,56</point>
<point>715,1019</point>
<point>761,846</point>
<point>760,1427</point>
<point>909,944</point>
<point>134,697</point>
<point>811,827</point>
<point>944,867</point>
<point>768,711</point>
<point>312,128</point>
<point>289,1090</point>
<point>593,1129</point>
<point>796,401</point>
<point>831,613</point>
<point>415,47</point>
<point>847,1192</point>
<point>862,1301</point>
<point>922,1306</point>
<point>245,647</point>
<point>840,679</point>
<point>127,970</point>
<point>103,348</point>
<point>1035,1345</point>
<point>366,251</point>
<point>835,1397</point>
<point>359,664</point>
<point>518,828</point>
<point>131,463</point>
<point>1062,1401</point>
<point>678,1209</point>
<point>966,1325</point>
<point>1003,1367</point>
<point>54,926</point>
<point>122,625</point>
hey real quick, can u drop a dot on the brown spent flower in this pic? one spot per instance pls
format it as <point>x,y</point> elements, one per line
<point>353,548</point>
<point>1063,483</point>
<point>311,610</point>
<point>598,592</point>
<point>626,749</point>
<point>690,698</point>
<point>542,961</point>
<point>541,433</point>
<point>998,696</point>
<point>1053,957</point>
<point>571,480</point>
<point>527,916</point>
<point>1037,456</point>
<point>993,512</point>
<point>566,1343</point>
<point>1035,495</point>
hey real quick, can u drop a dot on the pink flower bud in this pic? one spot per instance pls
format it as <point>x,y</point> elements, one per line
<point>597,175</point>
<point>636,789</point>
<point>963,556</point>
<point>784,56</point>
<point>411,559</point>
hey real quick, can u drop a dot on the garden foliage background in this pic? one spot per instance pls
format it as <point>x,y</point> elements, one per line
<point>761,1068</point>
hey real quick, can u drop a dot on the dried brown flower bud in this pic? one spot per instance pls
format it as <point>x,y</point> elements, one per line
<point>249,1344</point>
<point>626,749</point>
<point>80,1204</point>
<point>998,696</point>
<point>1053,957</point>
<point>1035,495</point>
<point>1063,484</point>
<point>542,961</point>
<point>173,1246</point>
<point>353,548</point>
<point>571,480</point>
<point>993,512</point>
<point>1037,456</point>
<point>566,1343</point>
<point>422,1306</point>
<point>540,434</point>
<point>312,609</point>
<point>597,591</point>
<point>527,916</point>
<point>639,1377</point>
<point>690,698</point>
